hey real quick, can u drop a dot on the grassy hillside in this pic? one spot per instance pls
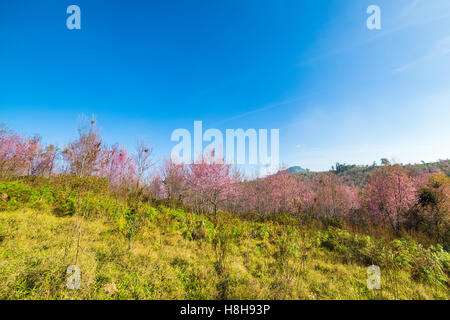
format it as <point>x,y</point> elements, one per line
<point>139,250</point>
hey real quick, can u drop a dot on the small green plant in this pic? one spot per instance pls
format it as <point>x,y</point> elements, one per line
<point>64,205</point>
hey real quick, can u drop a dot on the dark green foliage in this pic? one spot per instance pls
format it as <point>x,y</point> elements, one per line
<point>64,205</point>
<point>332,222</point>
<point>133,218</point>
<point>427,197</point>
<point>63,195</point>
<point>14,195</point>
<point>342,167</point>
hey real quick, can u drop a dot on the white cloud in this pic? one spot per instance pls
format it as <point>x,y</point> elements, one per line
<point>442,48</point>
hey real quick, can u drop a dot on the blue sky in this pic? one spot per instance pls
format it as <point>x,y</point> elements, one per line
<point>337,91</point>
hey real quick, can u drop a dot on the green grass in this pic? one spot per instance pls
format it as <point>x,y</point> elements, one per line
<point>161,263</point>
<point>146,252</point>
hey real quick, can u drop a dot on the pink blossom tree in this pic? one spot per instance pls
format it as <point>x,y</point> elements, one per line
<point>333,198</point>
<point>44,163</point>
<point>289,193</point>
<point>157,188</point>
<point>174,178</point>
<point>84,154</point>
<point>390,194</point>
<point>117,166</point>
<point>19,155</point>
<point>283,192</point>
<point>211,183</point>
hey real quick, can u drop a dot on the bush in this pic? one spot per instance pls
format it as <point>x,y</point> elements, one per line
<point>259,231</point>
<point>14,195</point>
<point>64,205</point>
<point>332,222</point>
<point>95,185</point>
<point>427,265</point>
<point>430,265</point>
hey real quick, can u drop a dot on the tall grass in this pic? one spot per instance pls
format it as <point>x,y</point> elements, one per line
<point>133,248</point>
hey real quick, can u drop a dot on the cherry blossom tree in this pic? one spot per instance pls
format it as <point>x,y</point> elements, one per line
<point>157,188</point>
<point>84,154</point>
<point>117,166</point>
<point>283,192</point>
<point>333,198</point>
<point>390,194</point>
<point>211,183</point>
<point>174,178</point>
<point>18,155</point>
<point>289,193</point>
<point>44,163</point>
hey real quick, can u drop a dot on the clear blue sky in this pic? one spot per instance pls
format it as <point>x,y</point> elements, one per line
<point>337,91</point>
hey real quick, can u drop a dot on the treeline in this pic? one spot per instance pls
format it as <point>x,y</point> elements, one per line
<point>85,156</point>
<point>358,174</point>
<point>391,194</point>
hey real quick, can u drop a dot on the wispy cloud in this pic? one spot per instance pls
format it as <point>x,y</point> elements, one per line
<point>404,15</point>
<point>441,49</point>
<point>410,7</point>
<point>265,108</point>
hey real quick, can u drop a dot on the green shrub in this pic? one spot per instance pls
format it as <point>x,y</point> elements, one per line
<point>14,195</point>
<point>64,205</point>
<point>428,265</point>
<point>332,222</point>
<point>259,231</point>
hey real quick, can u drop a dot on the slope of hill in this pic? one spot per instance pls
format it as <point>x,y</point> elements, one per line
<point>138,251</point>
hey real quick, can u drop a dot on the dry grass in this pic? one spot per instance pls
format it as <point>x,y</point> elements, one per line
<point>36,247</point>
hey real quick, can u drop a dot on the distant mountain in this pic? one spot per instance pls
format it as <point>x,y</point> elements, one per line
<point>297,169</point>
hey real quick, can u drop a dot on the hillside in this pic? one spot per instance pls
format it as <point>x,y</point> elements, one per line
<point>357,175</point>
<point>297,169</point>
<point>143,250</point>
